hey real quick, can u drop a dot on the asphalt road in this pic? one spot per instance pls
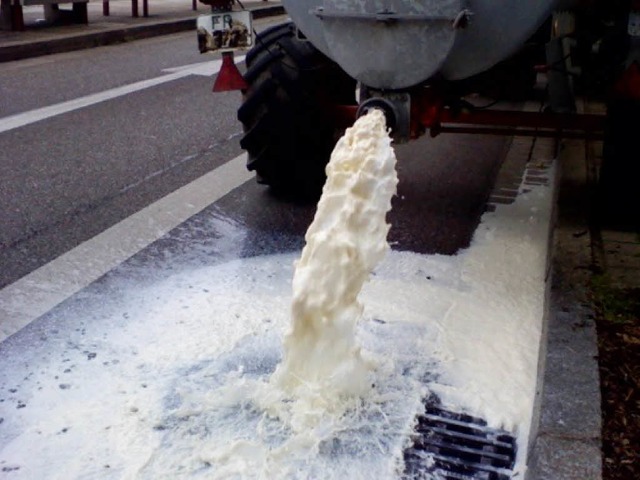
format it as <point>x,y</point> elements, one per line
<point>66,178</point>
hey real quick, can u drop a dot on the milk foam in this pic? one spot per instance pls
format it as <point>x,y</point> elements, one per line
<point>346,240</point>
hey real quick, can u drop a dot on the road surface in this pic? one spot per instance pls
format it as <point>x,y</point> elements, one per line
<point>149,127</point>
<point>140,259</point>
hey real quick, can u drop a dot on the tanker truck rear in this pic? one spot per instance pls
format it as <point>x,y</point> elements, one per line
<point>307,80</point>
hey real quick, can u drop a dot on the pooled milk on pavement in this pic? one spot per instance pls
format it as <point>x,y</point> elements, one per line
<point>184,387</point>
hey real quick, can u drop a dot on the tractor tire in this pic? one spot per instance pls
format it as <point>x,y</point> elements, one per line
<point>289,132</point>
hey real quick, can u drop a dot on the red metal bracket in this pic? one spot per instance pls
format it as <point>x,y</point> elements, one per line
<point>229,78</point>
<point>428,110</point>
<point>628,85</point>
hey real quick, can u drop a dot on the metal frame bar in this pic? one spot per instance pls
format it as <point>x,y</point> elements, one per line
<point>544,120</point>
<point>439,119</point>
<point>515,132</point>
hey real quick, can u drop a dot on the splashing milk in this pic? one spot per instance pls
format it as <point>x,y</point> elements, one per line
<point>322,376</point>
<point>345,241</point>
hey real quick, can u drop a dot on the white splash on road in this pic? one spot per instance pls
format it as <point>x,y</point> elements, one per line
<point>158,381</point>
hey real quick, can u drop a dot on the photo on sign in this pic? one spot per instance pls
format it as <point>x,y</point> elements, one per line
<point>227,31</point>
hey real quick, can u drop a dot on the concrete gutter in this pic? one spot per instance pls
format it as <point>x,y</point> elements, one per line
<point>569,439</point>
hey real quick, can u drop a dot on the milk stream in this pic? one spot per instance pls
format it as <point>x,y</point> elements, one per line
<point>346,240</point>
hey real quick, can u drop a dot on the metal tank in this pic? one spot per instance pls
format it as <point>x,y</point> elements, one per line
<point>395,44</point>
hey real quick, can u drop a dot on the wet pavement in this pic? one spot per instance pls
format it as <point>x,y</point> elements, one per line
<point>231,265</point>
<point>228,267</point>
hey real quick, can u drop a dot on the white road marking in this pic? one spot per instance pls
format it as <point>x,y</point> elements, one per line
<point>18,120</point>
<point>205,69</point>
<point>38,292</point>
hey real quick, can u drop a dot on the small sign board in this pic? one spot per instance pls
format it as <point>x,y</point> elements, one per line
<point>225,31</point>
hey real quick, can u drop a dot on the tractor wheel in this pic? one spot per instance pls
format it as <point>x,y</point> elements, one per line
<point>289,132</point>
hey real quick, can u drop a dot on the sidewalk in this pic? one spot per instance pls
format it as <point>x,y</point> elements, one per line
<point>165,17</point>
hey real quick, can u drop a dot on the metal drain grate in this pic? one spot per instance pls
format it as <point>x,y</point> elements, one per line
<point>453,446</point>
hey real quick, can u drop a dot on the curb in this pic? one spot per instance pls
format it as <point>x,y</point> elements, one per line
<point>111,37</point>
<point>568,443</point>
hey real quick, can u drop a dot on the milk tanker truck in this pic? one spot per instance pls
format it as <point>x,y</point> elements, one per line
<point>417,60</point>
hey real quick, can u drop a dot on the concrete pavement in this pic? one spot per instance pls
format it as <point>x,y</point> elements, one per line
<point>166,17</point>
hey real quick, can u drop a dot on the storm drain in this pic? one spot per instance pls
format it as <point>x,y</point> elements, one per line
<point>453,446</point>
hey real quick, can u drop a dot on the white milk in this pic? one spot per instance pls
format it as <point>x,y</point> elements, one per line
<point>346,240</point>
